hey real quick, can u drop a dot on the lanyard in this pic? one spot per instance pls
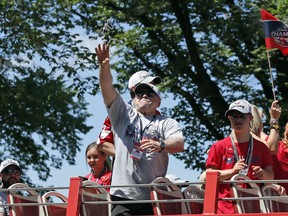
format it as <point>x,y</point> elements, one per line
<point>141,126</point>
<point>248,158</point>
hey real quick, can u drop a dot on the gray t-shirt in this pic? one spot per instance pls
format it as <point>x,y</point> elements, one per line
<point>128,126</point>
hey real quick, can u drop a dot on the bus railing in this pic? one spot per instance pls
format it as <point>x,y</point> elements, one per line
<point>210,200</point>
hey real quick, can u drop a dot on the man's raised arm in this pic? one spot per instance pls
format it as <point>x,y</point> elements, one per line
<point>109,93</point>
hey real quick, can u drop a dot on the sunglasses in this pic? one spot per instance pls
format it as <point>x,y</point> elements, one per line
<point>147,93</point>
<point>239,116</point>
<point>12,171</point>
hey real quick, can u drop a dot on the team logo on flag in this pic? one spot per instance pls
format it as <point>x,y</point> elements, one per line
<point>281,36</point>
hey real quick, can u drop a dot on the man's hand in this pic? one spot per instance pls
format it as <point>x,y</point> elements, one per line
<point>102,54</point>
<point>150,145</point>
<point>109,93</point>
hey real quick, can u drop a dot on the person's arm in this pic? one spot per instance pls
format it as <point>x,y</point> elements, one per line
<point>228,173</point>
<point>224,174</point>
<point>272,141</point>
<point>109,93</point>
<point>105,141</point>
<point>174,145</point>
<point>170,145</point>
<point>273,138</point>
<point>108,148</point>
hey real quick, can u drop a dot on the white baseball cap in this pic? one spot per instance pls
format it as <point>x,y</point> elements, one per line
<point>175,179</point>
<point>7,163</point>
<point>242,106</point>
<point>142,77</point>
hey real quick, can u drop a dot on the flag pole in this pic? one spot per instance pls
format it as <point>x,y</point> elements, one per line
<point>273,89</point>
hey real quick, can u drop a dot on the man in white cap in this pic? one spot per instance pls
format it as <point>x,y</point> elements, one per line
<point>239,153</point>
<point>142,77</point>
<point>105,140</point>
<point>10,173</point>
<point>138,159</point>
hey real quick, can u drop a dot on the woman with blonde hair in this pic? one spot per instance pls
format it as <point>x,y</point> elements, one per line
<point>256,126</point>
<point>279,157</point>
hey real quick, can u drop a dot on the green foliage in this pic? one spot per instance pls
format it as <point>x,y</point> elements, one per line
<point>40,121</point>
<point>208,53</point>
<point>42,110</point>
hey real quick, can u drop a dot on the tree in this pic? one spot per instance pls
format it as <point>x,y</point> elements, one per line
<point>41,116</point>
<point>208,53</point>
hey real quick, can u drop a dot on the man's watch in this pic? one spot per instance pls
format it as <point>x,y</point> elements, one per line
<point>162,145</point>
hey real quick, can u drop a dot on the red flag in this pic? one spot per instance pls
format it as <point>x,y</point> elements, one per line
<point>276,32</point>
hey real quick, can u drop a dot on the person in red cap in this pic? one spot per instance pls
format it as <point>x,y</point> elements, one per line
<point>238,153</point>
<point>10,173</point>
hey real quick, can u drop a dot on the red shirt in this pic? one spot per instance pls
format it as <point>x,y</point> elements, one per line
<point>280,164</point>
<point>105,179</point>
<point>221,156</point>
<point>106,134</point>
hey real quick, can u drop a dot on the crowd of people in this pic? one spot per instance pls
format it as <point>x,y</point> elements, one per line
<point>247,150</point>
<point>139,138</point>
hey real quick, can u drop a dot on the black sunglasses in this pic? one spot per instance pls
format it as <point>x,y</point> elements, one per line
<point>147,93</point>
<point>11,171</point>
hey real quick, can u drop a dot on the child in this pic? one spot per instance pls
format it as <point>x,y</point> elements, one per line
<point>100,171</point>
